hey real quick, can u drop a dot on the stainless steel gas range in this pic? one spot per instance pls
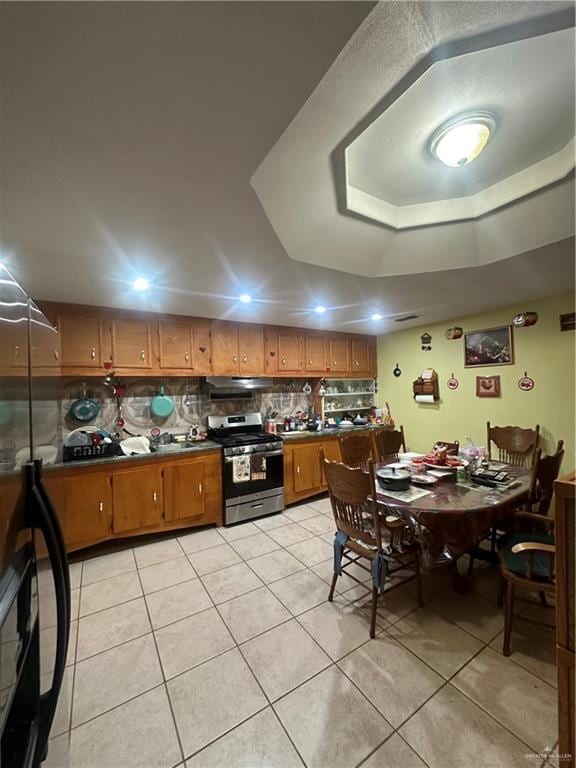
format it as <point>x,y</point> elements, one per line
<point>252,468</point>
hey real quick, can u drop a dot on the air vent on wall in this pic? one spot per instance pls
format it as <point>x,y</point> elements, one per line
<point>568,321</point>
<point>406,317</point>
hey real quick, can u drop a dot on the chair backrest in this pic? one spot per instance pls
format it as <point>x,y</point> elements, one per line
<point>544,471</point>
<point>452,449</point>
<point>356,450</point>
<point>388,442</point>
<point>353,498</point>
<point>515,445</point>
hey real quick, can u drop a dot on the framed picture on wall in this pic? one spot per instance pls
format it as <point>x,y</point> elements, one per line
<point>488,386</point>
<point>492,346</point>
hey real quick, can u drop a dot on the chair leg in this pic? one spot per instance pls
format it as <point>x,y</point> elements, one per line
<point>543,601</point>
<point>373,614</point>
<point>419,592</point>
<point>470,564</point>
<point>493,537</point>
<point>508,617</point>
<point>333,587</point>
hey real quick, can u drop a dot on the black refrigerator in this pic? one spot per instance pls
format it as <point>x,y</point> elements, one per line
<point>34,575</point>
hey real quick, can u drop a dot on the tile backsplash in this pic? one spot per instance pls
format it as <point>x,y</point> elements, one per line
<point>192,405</point>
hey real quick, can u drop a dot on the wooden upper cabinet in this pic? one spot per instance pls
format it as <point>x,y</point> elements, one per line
<point>81,337</point>
<point>131,342</point>
<point>360,356</point>
<point>137,499</point>
<point>315,354</point>
<point>224,348</point>
<point>237,349</point>
<point>175,350</point>
<point>338,355</point>
<point>202,347</point>
<point>289,351</point>
<point>251,349</point>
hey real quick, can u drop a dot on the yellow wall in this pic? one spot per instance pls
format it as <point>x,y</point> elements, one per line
<point>542,350</point>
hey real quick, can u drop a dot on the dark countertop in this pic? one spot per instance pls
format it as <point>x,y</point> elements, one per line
<point>293,437</point>
<point>205,446</point>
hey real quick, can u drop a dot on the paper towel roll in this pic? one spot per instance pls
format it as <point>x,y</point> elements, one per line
<point>424,398</point>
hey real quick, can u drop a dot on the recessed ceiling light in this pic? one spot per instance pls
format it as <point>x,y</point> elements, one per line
<point>459,141</point>
<point>141,284</point>
<point>376,316</point>
<point>245,298</point>
<point>319,309</point>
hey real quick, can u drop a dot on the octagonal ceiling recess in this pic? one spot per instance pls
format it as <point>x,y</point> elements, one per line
<point>391,175</point>
<point>361,191</point>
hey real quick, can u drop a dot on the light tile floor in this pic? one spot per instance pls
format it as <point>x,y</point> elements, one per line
<point>218,649</point>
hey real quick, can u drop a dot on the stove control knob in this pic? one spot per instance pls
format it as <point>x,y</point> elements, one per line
<point>270,446</point>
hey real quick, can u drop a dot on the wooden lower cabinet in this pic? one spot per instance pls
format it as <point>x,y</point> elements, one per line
<point>143,496</point>
<point>193,491</point>
<point>303,475</point>
<point>137,499</point>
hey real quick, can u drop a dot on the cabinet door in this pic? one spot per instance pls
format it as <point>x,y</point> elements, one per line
<point>175,345</point>
<point>88,509</point>
<point>131,346</point>
<point>315,358</point>
<point>201,347</point>
<point>338,355</point>
<point>81,339</point>
<point>251,349</point>
<point>289,356</point>
<point>306,467</point>
<point>225,349</point>
<point>332,452</point>
<point>137,499</point>
<point>360,356</point>
<point>184,491</point>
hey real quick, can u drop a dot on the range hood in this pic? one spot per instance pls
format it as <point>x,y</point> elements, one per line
<point>234,387</point>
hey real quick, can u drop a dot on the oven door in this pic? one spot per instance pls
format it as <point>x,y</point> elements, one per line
<point>254,486</point>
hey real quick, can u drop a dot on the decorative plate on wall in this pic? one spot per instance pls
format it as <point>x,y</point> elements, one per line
<point>526,383</point>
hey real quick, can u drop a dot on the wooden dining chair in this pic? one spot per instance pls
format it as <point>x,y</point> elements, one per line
<point>388,443</point>
<point>527,560</point>
<point>545,470</point>
<point>515,445</point>
<point>357,449</point>
<point>353,499</point>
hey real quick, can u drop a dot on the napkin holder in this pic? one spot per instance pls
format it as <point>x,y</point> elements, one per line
<point>426,385</point>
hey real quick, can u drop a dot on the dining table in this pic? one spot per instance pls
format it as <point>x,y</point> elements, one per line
<point>450,517</point>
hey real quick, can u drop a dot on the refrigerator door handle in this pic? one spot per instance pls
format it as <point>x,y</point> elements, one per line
<point>44,518</point>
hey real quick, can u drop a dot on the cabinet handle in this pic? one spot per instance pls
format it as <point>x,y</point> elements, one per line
<point>155,496</point>
<point>235,358</point>
<point>56,355</point>
<point>100,506</point>
<point>200,488</point>
<point>16,351</point>
<point>309,362</point>
<point>186,356</point>
<point>334,363</point>
<point>298,469</point>
<point>244,358</point>
<point>356,363</point>
<point>142,355</point>
<point>283,361</point>
<point>93,353</point>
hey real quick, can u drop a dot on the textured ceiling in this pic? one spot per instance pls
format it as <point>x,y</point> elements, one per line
<point>130,132</point>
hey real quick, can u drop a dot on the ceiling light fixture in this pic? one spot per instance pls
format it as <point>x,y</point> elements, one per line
<point>319,309</point>
<point>141,284</point>
<point>459,141</point>
<point>245,298</point>
<point>376,316</point>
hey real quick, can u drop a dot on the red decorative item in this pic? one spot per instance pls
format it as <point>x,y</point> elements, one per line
<point>452,383</point>
<point>155,431</point>
<point>526,383</point>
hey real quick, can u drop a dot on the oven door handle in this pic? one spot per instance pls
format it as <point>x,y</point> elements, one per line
<point>230,459</point>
